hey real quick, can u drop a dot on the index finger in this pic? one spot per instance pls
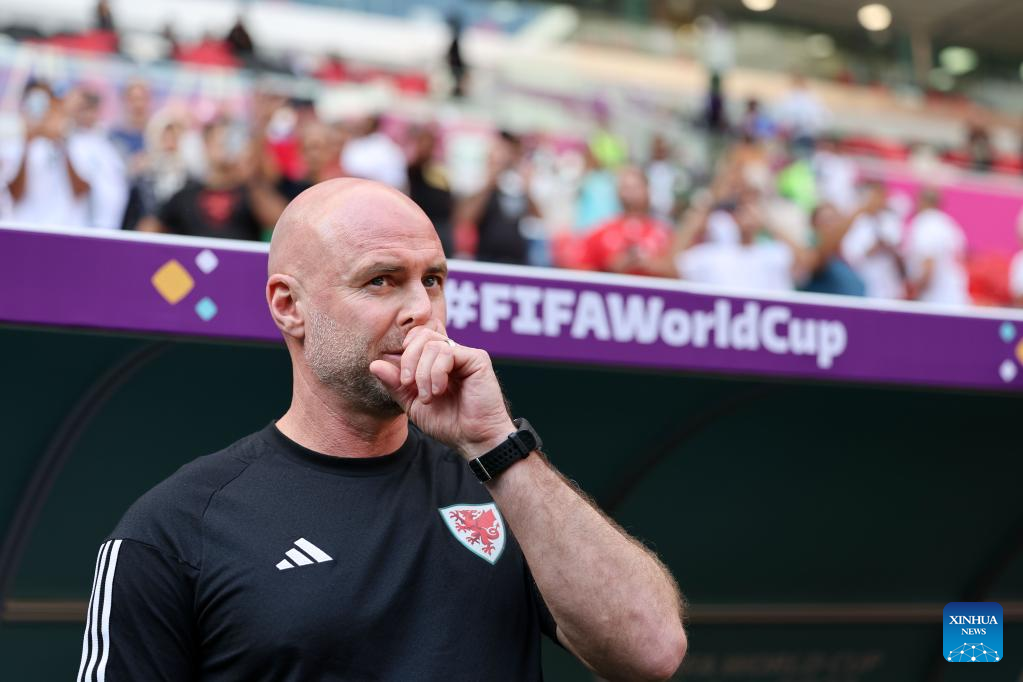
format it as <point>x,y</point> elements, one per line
<point>437,326</point>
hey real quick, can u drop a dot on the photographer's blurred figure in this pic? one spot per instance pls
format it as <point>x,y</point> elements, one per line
<point>764,257</point>
<point>42,170</point>
<point>319,147</point>
<point>871,246</point>
<point>428,185</point>
<point>232,200</point>
<point>936,253</point>
<point>99,160</point>
<point>498,209</point>
<point>633,241</point>
<point>1016,268</point>
<point>129,136</point>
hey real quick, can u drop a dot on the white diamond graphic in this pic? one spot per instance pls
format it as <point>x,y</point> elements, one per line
<point>1007,371</point>
<point>207,261</point>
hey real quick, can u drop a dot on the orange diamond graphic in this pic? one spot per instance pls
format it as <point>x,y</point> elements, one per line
<point>172,281</point>
<point>1019,352</point>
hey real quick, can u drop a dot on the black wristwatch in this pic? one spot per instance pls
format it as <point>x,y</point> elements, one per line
<point>518,446</point>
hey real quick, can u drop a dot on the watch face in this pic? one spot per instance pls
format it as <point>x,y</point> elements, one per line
<point>524,425</point>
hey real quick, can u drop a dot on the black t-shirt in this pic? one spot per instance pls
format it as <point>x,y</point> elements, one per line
<point>204,212</point>
<point>427,186</point>
<point>268,561</point>
<point>500,240</point>
<point>289,189</point>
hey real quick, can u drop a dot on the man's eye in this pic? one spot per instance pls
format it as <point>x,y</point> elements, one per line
<point>378,281</point>
<point>431,280</point>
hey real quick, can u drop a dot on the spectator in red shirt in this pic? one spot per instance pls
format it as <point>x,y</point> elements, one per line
<point>634,241</point>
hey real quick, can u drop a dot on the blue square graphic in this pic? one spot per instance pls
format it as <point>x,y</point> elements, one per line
<point>972,632</point>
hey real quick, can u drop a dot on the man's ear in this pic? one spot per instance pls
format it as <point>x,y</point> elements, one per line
<point>282,295</point>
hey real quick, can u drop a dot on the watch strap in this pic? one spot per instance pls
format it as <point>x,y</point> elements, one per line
<point>517,446</point>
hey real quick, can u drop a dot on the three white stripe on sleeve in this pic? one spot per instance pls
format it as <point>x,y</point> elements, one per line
<point>96,640</point>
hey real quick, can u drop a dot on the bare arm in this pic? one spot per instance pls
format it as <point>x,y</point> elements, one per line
<point>151,224</point>
<point>921,283</point>
<point>17,184</point>
<point>470,209</point>
<point>688,234</point>
<point>831,238</point>
<point>79,185</point>
<point>267,203</point>
<point>617,607</point>
<point>805,259</point>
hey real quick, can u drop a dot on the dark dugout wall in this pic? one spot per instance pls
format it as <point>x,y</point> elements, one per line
<point>814,528</point>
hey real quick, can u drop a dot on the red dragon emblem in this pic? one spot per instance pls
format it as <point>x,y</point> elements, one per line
<point>478,527</point>
<point>481,526</point>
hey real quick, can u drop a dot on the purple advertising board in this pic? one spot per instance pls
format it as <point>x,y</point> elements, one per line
<point>210,288</point>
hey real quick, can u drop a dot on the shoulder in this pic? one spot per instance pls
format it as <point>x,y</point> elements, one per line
<point>170,515</point>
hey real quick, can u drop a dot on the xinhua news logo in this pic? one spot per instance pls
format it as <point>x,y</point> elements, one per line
<point>972,632</point>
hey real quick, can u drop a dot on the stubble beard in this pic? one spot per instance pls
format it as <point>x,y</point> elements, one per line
<point>339,359</point>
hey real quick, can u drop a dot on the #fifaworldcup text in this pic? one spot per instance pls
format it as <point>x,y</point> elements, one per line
<point>639,318</point>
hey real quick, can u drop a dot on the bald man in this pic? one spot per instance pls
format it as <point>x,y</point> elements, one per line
<point>352,539</point>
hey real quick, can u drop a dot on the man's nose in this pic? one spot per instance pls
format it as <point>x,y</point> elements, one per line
<point>417,308</point>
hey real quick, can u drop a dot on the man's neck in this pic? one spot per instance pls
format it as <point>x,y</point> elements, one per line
<point>318,420</point>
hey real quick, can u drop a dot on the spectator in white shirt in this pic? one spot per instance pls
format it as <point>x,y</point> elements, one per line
<point>836,176</point>
<point>871,247</point>
<point>935,251</point>
<point>800,113</point>
<point>373,155</point>
<point>42,171</point>
<point>754,262</point>
<point>100,161</point>
<point>1016,269</point>
<point>664,177</point>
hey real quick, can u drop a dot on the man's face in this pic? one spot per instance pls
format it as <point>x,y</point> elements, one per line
<point>632,190</point>
<point>136,101</point>
<point>225,144</point>
<point>385,277</point>
<point>318,148</point>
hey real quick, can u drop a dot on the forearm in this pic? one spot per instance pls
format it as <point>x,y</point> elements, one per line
<point>690,231</point>
<point>79,185</point>
<point>616,605</point>
<point>17,184</point>
<point>470,209</point>
<point>923,281</point>
<point>151,224</point>
<point>267,203</point>
<point>831,239</point>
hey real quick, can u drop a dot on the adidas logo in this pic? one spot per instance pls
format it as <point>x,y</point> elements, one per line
<point>300,558</point>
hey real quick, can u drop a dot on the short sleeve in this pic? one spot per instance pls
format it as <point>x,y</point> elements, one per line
<point>139,624</point>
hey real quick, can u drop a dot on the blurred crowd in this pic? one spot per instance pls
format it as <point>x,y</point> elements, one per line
<point>779,208</point>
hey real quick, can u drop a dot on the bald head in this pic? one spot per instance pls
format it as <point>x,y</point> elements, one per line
<point>328,219</point>
<point>354,266</point>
